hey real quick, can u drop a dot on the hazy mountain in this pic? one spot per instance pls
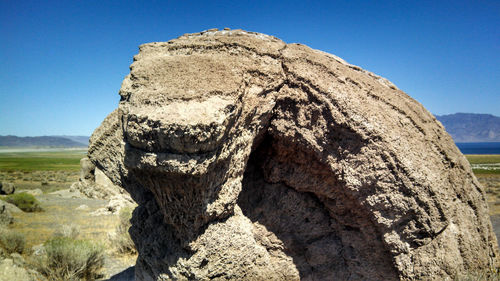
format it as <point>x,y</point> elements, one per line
<point>44,141</point>
<point>81,139</point>
<point>471,127</point>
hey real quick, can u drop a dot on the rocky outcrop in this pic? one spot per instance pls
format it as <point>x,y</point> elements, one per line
<point>7,188</point>
<point>13,272</point>
<point>5,215</point>
<point>252,159</point>
<point>93,183</point>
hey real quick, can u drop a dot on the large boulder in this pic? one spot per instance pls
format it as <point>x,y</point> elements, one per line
<point>252,159</point>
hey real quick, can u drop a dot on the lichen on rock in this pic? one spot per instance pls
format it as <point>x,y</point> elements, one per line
<point>252,159</point>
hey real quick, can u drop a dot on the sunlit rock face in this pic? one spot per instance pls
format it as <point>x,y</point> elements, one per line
<point>252,159</point>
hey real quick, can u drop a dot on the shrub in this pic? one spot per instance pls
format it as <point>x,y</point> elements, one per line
<point>70,231</point>
<point>70,259</point>
<point>121,240</point>
<point>12,241</point>
<point>24,201</point>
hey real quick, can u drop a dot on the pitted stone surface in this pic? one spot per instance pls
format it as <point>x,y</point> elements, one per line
<point>252,159</point>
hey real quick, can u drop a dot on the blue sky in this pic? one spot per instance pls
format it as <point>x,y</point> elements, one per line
<point>62,62</point>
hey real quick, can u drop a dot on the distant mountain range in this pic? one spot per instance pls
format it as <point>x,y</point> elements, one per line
<point>45,141</point>
<point>471,127</point>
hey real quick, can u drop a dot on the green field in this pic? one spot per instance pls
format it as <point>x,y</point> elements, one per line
<point>41,161</point>
<point>485,164</point>
<point>45,170</point>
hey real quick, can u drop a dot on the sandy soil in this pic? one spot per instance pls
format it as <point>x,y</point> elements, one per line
<point>67,208</point>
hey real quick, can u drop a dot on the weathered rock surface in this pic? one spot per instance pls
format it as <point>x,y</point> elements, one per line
<point>7,188</point>
<point>93,183</point>
<point>11,207</point>
<point>252,159</point>
<point>5,215</point>
<point>12,270</point>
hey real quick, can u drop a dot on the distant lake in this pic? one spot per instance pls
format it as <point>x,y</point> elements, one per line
<point>479,147</point>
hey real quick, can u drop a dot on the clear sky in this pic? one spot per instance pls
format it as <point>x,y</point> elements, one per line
<point>62,62</point>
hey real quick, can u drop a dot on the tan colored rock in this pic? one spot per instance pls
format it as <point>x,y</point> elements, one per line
<point>7,188</point>
<point>93,183</point>
<point>9,207</point>
<point>252,159</point>
<point>12,272</point>
<point>87,169</point>
<point>115,204</point>
<point>5,214</point>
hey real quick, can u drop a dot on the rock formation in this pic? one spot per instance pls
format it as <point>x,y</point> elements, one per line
<point>252,159</point>
<point>5,215</point>
<point>7,188</point>
<point>93,183</point>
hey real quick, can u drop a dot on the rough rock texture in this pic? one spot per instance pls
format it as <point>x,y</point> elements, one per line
<point>10,271</point>
<point>93,183</point>
<point>11,207</point>
<point>252,159</point>
<point>14,268</point>
<point>5,215</point>
<point>7,188</point>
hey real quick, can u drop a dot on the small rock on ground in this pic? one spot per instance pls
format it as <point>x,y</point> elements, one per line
<point>7,188</point>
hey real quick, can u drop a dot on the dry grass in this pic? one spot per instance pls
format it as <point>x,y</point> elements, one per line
<point>12,241</point>
<point>70,259</point>
<point>120,240</point>
<point>47,181</point>
<point>23,201</point>
<point>28,170</point>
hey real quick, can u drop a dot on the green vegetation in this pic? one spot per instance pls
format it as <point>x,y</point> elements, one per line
<point>480,171</point>
<point>485,164</point>
<point>65,255</point>
<point>12,241</point>
<point>487,170</point>
<point>41,161</point>
<point>70,231</point>
<point>49,171</point>
<point>121,241</point>
<point>71,259</point>
<point>483,159</point>
<point>23,201</point>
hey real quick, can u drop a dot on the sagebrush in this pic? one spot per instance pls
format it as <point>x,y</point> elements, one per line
<point>71,259</point>
<point>12,241</point>
<point>24,201</point>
